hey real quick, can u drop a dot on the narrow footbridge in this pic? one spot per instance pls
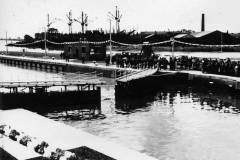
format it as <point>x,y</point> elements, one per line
<point>136,75</point>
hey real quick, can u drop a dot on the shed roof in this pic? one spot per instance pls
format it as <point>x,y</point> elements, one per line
<point>201,34</point>
<point>184,35</point>
<point>180,35</point>
<point>194,35</point>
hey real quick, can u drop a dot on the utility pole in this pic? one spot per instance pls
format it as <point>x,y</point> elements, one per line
<point>116,18</point>
<point>6,43</point>
<point>221,42</point>
<point>172,42</point>
<point>45,41</point>
<point>110,45</point>
<point>86,22</point>
<point>82,23</point>
<point>48,23</point>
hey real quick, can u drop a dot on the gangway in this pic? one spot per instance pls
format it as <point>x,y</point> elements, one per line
<point>136,75</point>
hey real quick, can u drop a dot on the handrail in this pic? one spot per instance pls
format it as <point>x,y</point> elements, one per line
<point>130,74</point>
<point>50,83</point>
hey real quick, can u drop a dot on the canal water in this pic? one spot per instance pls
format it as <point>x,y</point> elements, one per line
<point>175,122</point>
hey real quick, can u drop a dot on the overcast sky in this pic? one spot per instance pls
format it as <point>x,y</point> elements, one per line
<point>20,17</point>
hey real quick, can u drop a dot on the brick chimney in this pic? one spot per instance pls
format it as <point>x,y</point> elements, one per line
<point>203,23</point>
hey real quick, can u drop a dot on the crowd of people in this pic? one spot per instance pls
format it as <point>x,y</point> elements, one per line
<point>206,65</point>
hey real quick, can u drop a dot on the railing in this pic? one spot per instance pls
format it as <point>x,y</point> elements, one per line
<point>83,75</point>
<point>49,83</point>
<point>130,74</point>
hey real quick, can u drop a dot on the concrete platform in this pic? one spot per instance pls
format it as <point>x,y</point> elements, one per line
<point>57,134</point>
<point>231,81</point>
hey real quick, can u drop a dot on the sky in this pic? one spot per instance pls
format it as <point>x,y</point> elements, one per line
<point>20,17</point>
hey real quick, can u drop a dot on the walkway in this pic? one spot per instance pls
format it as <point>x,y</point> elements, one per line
<point>137,75</point>
<point>73,63</point>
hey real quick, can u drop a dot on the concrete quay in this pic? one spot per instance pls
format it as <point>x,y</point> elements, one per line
<point>148,80</point>
<point>126,74</point>
<point>60,65</point>
<point>57,135</point>
<point>228,81</point>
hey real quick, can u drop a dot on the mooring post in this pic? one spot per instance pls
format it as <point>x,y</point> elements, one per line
<point>99,99</point>
<point>30,89</point>
<point>15,90</point>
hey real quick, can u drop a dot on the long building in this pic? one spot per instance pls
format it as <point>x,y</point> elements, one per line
<point>208,37</point>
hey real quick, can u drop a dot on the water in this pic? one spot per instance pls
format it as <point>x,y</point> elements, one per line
<point>172,123</point>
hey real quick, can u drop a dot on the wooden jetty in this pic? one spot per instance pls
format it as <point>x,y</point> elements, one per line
<point>39,95</point>
<point>58,135</point>
<point>63,66</point>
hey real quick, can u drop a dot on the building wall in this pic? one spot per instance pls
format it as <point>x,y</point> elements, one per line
<point>77,51</point>
<point>86,51</point>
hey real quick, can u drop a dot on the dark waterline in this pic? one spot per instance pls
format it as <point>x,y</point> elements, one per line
<point>176,122</point>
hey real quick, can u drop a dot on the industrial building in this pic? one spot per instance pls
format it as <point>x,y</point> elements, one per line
<point>208,38</point>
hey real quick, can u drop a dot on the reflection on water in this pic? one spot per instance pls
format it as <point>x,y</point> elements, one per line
<point>176,122</point>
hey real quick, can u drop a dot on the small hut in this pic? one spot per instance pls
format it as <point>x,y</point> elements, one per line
<point>85,51</point>
<point>146,50</point>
